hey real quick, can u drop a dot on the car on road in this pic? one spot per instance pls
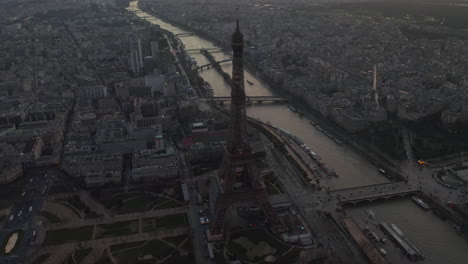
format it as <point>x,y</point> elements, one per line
<point>204,220</point>
<point>382,251</point>
<point>33,238</point>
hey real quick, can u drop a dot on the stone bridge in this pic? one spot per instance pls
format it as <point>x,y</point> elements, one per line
<point>259,99</point>
<point>373,192</point>
<point>210,65</point>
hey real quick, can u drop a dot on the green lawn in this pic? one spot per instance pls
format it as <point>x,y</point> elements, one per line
<point>62,236</point>
<point>81,254</point>
<point>141,203</point>
<point>117,229</point>
<point>169,221</point>
<point>156,248</point>
<point>179,260</point>
<point>256,236</point>
<point>41,259</point>
<point>273,189</point>
<point>121,196</point>
<point>137,204</point>
<point>187,245</point>
<point>176,240</point>
<point>168,204</point>
<point>66,204</point>
<point>289,257</point>
<point>118,247</point>
<point>50,217</point>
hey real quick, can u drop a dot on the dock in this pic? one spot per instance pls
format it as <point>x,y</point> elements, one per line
<point>364,243</point>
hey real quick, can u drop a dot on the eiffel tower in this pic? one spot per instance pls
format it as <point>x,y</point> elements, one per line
<point>240,180</point>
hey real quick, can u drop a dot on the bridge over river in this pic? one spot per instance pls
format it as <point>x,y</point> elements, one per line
<point>258,99</point>
<point>209,65</point>
<point>373,192</point>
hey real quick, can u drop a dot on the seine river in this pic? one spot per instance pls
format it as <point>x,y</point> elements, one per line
<point>437,240</point>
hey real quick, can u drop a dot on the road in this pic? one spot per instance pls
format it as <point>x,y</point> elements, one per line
<point>324,230</point>
<point>25,215</point>
<point>197,230</point>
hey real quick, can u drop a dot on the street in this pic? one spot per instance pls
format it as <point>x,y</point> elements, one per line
<point>25,215</point>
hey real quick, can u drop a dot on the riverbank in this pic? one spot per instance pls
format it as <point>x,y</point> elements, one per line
<point>182,26</point>
<point>371,153</point>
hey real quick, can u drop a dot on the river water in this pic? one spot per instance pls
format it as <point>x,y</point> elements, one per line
<point>353,169</point>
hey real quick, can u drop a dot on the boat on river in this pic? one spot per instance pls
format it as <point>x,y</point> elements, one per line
<point>249,82</point>
<point>421,203</point>
<point>292,108</point>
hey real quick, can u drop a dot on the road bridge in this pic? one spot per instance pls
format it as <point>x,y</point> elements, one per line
<point>210,65</point>
<point>372,192</point>
<point>184,34</point>
<point>202,49</point>
<point>249,99</point>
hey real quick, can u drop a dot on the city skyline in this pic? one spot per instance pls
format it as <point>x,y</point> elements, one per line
<point>216,132</point>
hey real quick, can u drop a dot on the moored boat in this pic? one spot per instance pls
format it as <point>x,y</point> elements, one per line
<point>420,202</point>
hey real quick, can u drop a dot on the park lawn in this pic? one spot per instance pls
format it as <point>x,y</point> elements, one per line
<point>167,204</point>
<point>256,236</point>
<point>138,204</point>
<point>118,247</point>
<point>81,254</point>
<point>169,221</point>
<point>156,248</point>
<point>289,257</point>
<point>117,229</point>
<point>61,236</point>
<point>177,259</point>
<point>71,207</point>
<point>50,217</point>
<point>41,259</point>
<point>187,245</point>
<point>272,189</point>
<point>176,240</point>
<point>121,196</point>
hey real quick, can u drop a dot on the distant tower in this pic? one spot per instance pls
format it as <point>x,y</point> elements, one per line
<point>240,179</point>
